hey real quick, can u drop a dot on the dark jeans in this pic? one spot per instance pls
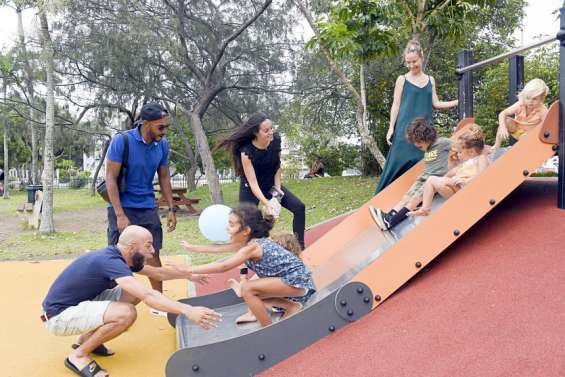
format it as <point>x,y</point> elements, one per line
<point>289,201</point>
<point>147,218</point>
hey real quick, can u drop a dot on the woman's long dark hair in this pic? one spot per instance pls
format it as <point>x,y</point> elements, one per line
<point>241,136</point>
<point>251,216</point>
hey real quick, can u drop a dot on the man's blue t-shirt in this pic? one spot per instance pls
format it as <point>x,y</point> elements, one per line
<point>85,278</point>
<point>144,159</point>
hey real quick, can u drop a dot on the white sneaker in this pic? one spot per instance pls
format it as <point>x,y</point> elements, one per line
<point>378,217</point>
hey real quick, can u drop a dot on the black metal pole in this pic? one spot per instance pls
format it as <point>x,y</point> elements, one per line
<point>515,77</point>
<point>561,168</point>
<point>465,58</point>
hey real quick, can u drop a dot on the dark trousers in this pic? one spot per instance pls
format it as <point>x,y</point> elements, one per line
<point>147,218</point>
<point>289,201</point>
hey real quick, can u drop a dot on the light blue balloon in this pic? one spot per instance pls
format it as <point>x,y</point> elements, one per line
<point>213,222</point>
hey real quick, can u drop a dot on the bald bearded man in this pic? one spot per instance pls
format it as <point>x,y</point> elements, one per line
<point>95,297</point>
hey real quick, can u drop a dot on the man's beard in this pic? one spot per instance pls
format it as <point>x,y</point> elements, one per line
<point>138,261</point>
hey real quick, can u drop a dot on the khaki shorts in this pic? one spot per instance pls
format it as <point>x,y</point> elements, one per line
<point>417,188</point>
<point>84,317</point>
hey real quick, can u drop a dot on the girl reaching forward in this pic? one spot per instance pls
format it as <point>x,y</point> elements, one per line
<point>285,281</point>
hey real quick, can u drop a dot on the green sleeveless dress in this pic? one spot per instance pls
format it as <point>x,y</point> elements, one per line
<point>402,155</point>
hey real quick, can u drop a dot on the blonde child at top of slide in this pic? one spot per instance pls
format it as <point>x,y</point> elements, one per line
<point>528,111</point>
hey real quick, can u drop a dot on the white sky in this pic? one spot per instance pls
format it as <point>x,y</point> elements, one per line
<point>539,20</point>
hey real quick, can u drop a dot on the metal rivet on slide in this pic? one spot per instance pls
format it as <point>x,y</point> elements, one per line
<point>546,134</point>
<point>195,368</point>
<point>526,173</point>
<point>360,290</point>
<point>456,232</point>
<point>377,298</point>
<point>343,302</point>
<point>366,300</point>
<point>554,147</point>
<point>331,328</point>
<point>261,357</point>
<point>492,202</point>
<point>418,264</point>
<point>350,312</point>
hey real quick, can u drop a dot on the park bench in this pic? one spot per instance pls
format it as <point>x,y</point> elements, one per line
<point>179,199</point>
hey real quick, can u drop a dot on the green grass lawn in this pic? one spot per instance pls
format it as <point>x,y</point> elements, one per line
<point>64,199</point>
<point>324,198</point>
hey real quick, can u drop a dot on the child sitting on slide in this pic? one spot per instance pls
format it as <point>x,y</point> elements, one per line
<point>285,282</point>
<point>528,112</point>
<point>436,150</point>
<point>474,163</point>
<point>287,241</point>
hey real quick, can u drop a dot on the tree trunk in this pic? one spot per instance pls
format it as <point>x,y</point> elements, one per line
<point>362,121</point>
<point>6,166</point>
<point>100,163</point>
<point>190,175</point>
<point>206,157</point>
<point>31,98</point>
<point>360,98</point>
<point>47,226</point>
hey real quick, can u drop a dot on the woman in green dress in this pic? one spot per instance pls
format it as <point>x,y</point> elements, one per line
<point>414,96</point>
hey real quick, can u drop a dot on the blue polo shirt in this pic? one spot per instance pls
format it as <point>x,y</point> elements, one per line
<point>85,278</point>
<point>144,159</point>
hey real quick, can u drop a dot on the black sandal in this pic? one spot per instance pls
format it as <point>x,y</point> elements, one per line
<point>90,370</point>
<point>101,350</point>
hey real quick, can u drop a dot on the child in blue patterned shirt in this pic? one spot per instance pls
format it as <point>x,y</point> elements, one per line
<point>285,281</point>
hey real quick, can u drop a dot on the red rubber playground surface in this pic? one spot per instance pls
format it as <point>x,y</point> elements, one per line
<point>490,305</point>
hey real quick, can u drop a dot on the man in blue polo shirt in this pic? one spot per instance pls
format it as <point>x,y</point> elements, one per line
<point>95,297</point>
<point>148,153</point>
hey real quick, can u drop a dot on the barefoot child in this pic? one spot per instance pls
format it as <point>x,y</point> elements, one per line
<point>285,281</point>
<point>528,112</point>
<point>436,150</point>
<point>286,240</point>
<point>474,163</point>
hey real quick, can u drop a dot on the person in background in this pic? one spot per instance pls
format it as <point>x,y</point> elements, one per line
<point>148,153</point>
<point>414,96</point>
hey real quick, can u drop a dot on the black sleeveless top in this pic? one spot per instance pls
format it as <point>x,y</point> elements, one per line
<point>266,163</point>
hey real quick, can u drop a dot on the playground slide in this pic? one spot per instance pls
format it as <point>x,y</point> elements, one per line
<point>356,267</point>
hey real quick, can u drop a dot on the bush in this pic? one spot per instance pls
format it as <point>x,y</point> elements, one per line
<point>80,180</point>
<point>544,174</point>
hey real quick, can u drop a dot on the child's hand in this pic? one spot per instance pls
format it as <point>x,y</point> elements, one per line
<point>199,278</point>
<point>502,132</point>
<point>457,181</point>
<point>189,247</point>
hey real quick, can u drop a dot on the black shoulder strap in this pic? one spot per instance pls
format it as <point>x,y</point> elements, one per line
<point>126,151</point>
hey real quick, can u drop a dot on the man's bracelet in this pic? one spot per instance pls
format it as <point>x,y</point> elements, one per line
<point>173,209</point>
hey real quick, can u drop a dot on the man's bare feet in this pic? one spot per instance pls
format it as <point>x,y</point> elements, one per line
<point>420,212</point>
<point>236,286</point>
<point>246,318</point>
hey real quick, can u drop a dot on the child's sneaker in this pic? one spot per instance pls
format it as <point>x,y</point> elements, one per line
<point>381,218</point>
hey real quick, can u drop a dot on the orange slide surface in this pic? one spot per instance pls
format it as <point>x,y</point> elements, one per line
<point>345,246</point>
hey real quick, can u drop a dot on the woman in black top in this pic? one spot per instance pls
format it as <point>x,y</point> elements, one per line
<point>255,152</point>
